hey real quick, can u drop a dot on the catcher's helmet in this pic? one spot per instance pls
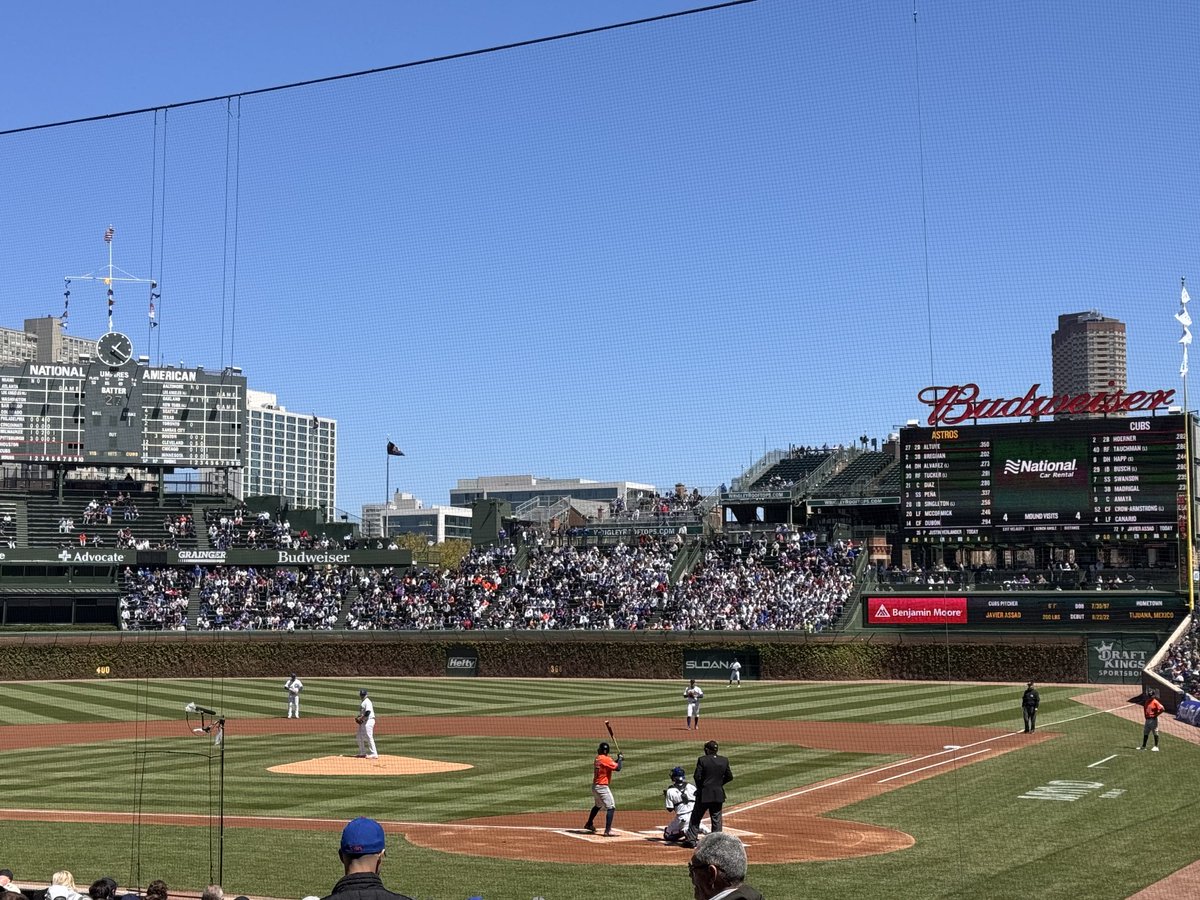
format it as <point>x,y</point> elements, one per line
<point>603,748</point>
<point>677,775</point>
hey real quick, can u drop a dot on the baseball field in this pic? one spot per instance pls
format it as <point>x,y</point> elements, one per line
<point>871,790</point>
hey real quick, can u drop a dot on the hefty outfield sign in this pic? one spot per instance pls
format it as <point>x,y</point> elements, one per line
<point>462,661</point>
<point>916,611</point>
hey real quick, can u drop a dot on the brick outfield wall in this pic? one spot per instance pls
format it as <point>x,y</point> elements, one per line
<point>37,657</point>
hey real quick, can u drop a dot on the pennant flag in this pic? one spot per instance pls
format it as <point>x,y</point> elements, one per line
<point>1184,319</point>
<point>108,234</point>
<point>393,450</point>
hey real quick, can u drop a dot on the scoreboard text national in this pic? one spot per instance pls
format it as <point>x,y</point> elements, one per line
<point>1117,477</point>
<point>122,414</point>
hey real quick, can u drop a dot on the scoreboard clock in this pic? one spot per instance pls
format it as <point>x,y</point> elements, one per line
<point>1118,477</point>
<point>117,412</point>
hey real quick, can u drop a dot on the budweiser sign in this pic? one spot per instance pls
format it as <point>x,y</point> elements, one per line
<point>962,403</point>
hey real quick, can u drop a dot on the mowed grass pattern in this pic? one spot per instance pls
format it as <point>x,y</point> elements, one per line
<point>975,836</point>
<point>990,705</point>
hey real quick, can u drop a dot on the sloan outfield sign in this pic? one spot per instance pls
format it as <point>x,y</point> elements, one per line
<point>716,665</point>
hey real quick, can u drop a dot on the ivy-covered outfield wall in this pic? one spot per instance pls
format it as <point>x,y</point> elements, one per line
<point>542,654</point>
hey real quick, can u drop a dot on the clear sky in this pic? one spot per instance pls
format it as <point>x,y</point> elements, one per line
<point>645,254</point>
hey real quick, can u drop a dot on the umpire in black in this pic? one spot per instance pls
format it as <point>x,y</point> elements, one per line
<point>1030,701</point>
<point>711,776</point>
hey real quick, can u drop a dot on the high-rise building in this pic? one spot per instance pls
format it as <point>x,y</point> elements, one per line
<point>43,341</point>
<point>1088,353</point>
<point>291,455</point>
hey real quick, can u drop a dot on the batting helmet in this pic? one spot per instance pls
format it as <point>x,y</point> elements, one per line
<point>362,692</point>
<point>603,748</point>
<point>677,774</point>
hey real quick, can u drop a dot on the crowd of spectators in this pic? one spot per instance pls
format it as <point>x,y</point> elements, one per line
<point>155,598</point>
<point>1181,665</point>
<point>764,584</point>
<point>239,528</point>
<point>769,583</point>
<point>661,508</point>
<point>248,598</point>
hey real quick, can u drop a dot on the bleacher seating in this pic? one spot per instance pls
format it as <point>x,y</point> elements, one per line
<point>795,468</point>
<point>857,475</point>
<point>48,519</point>
<point>890,481</point>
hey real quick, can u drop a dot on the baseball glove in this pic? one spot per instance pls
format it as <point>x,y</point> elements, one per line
<point>360,719</point>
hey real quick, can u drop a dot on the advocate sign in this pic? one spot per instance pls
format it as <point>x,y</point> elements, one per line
<point>957,403</point>
<point>916,611</point>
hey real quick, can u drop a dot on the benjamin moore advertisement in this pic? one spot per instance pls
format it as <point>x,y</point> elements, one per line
<point>713,665</point>
<point>1118,658</point>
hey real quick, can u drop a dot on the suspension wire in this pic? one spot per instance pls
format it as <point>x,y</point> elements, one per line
<point>225,234</point>
<point>924,213</point>
<point>153,211</point>
<point>466,54</point>
<point>237,196</point>
<point>162,237</point>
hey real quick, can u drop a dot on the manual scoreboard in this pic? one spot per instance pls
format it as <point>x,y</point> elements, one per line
<point>1119,477</point>
<point>114,412</point>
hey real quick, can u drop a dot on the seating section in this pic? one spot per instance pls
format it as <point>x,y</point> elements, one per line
<point>858,474</point>
<point>1182,662</point>
<point>795,468</point>
<point>116,520</point>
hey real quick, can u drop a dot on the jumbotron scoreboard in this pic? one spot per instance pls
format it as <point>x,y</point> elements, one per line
<point>117,412</point>
<point>1120,478</point>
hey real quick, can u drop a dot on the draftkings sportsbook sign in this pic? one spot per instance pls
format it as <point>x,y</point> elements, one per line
<point>1118,659</point>
<point>717,664</point>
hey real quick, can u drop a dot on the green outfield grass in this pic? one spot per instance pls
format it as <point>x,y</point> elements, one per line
<point>975,836</point>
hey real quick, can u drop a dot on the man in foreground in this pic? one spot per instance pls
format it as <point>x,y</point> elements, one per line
<point>718,869</point>
<point>361,853</point>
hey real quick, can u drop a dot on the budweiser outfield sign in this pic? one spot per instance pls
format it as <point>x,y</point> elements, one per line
<point>902,611</point>
<point>957,403</point>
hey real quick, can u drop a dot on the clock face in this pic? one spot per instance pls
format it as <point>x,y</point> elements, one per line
<point>114,348</point>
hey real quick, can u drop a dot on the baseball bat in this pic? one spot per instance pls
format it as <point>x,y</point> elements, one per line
<point>612,736</point>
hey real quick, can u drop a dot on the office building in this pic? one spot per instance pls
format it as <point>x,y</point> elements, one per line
<point>43,341</point>
<point>291,455</point>
<point>405,514</point>
<point>1088,354</point>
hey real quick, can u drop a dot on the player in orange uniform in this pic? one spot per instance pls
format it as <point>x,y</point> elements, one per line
<point>603,770</point>
<point>1152,710</point>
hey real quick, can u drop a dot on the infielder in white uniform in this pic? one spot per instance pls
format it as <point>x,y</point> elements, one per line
<point>293,686</point>
<point>680,797</point>
<point>366,727</point>
<point>735,673</point>
<point>693,695</point>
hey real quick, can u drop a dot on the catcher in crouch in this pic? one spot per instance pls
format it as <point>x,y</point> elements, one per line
<point>680,797</point>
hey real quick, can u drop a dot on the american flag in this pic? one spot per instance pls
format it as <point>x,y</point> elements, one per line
<point>108,234</point>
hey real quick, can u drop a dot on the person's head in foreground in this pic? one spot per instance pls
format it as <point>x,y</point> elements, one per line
<point>717,864</point>
<point>363,846</point>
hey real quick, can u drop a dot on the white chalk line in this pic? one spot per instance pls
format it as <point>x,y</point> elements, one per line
<point>1106,759</point>
<point>907,762</point>
<point>943,762</point>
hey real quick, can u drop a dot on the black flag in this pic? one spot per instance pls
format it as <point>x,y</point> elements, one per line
<point>393,450</point>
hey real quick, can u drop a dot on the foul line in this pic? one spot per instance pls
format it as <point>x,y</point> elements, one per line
<point>1106,759</point>
<point>933,765</point>
<point>906,762</point>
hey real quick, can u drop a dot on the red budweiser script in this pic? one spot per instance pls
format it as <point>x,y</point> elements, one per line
<point>961,403</point>
<point>916,611</point>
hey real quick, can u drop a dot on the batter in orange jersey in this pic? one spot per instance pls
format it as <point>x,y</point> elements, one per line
<point>602,772</point>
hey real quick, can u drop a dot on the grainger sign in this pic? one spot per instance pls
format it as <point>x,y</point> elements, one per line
<point>957,403</point>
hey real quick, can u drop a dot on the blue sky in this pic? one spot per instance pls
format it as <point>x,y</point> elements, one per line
<point>644,254</point>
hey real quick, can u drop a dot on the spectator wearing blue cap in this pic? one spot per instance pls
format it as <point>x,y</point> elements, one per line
<point>361,852</point>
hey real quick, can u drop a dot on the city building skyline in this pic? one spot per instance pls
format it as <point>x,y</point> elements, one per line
<point>1088,355</point>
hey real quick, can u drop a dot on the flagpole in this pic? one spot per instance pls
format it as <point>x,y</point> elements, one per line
<point>387,491</point>
<point>1185,320</point>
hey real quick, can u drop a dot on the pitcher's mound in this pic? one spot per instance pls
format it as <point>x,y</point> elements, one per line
<point>384,765</point>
